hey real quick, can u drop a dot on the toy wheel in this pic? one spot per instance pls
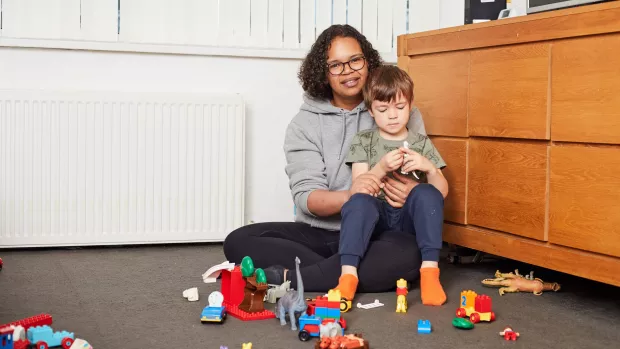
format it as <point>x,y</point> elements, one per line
<point>41,345</point>
<point>304,336</point>
<point>461,312</point>
<point>475,318</point>
<point>67,342</point>
<point>492,316</point>
<point>344,305</point>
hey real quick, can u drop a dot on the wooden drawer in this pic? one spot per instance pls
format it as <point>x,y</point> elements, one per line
<point>585,90</point>
<point>507,186</point>
<point>584,198</point>
<point>441,82</point>
<point>454,153</point>
<point>508,92</point>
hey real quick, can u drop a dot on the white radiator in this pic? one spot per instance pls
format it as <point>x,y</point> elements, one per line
<point>102,168</point>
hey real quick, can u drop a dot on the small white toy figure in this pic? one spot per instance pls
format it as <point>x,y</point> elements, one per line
<point>216,298</point>
<point>80,344</point>
<point>191,294</point>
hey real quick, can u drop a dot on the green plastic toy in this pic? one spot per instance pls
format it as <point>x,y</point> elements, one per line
<point>462,323</point>
<point>247,267</point>
<point>260,276</point>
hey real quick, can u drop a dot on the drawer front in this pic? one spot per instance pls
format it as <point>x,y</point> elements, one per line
<point>454,153</point>
<point>584,198</point>
<point>585,90</point>
<point>507,182</point>
<point>508,92</point>
<point>441,82</point>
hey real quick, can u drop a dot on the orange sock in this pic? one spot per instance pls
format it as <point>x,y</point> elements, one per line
<point>347,285</point>
<point>430,287</point>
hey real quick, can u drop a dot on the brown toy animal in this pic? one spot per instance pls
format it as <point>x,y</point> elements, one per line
<point>509,282</point>
<point>350,341</point>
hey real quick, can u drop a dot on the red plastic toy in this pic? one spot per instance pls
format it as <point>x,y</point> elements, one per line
<point>37,320</point>
<point>1,263</point>
<point>232,287</point>
<point>476,307</point>
<point>509,334</point>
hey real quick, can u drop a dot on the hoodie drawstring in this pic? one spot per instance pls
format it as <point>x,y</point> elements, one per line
<point>344,126</point>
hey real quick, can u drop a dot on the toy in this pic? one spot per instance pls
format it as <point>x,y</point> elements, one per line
<point>374,304</point>
<point>1,263</point>
<point>232,288</point>
<point>476,307</point>
<point>350,341</point>
<point>462,323</point>
<point>292,301</point>
<point>6,338</point>
<point>276,292</point>
<point>330,329</point>
<point>509,334</point>
<point>37,320</point>
<point>215,311</point>
<point>320,313</point>
<point>509,282</point>
<point>81,344</point>
<point>424,326</point>
<point>211,275</point>
<point>191,294</point>
<point>255,287</point>
<point>44,337</point>
<point>401,296</point>
<point>246,346</point>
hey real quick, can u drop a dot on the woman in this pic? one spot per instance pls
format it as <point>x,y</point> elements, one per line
<point>316,143</point>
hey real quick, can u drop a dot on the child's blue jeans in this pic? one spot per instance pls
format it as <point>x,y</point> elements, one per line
<point>363,215</point>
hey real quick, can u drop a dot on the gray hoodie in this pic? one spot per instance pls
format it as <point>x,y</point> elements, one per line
<point>316,146</point>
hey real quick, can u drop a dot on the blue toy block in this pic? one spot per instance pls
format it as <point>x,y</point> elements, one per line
<point>424,326</point>
<point>333,313</point>
<point>321,312</point>
<point>47,335</point>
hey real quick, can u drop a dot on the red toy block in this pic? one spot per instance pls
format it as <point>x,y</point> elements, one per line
<point>310,309</point>
<point>235,312</point>
<point>333,305</point>
<point>21,344</point>
<point>483,304</point>
<point>37,320</point>
<point>321,302</point>
<point>232,286</point>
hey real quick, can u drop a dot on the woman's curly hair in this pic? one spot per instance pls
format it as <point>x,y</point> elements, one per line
<point>313,71</point>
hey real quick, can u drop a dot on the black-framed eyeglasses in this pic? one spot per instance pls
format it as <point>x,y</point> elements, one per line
<point>356,63</point>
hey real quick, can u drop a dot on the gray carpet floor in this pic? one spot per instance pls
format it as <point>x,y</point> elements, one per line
<point>131,297</point>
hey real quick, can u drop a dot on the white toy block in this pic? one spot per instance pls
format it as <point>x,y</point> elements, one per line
<point>19,333</point>
<point>374,304</point>
<point>211,275</point>
<point>80,344</point>
<point>191,294</point>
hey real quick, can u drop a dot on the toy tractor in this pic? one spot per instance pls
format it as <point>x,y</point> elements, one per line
<point>476,307</point>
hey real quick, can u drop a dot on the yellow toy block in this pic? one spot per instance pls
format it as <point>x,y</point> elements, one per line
<point>468,299</point>
<point>333,296</point>
<point>246,345</point>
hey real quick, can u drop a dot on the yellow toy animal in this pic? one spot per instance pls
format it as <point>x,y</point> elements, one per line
<point>401,296</point>
<point>246,345</point>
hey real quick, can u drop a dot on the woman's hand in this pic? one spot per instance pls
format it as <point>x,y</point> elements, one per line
<point>366,183</point>
<point>397,190</point>
<point>415,161</point>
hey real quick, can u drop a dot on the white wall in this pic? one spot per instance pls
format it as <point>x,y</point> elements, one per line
<point>269,87</point>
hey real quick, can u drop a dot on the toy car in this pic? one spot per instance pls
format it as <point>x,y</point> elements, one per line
<point>476,307</point>
<point>44,337</point>
<point>215,311</point>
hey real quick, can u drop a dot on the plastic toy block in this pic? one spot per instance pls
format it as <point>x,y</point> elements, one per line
<point>333,305</point>
<point>462,323</point>
<point>320,312</point>
<point>468,298</point>
<point>46,334</point>
<point>424,326</point>
<point>37,320</point>
<point>235,312</point>
<point>321,302</point>
<point>333,296</point>
<point>483,304</point>
<point>374,304</point>
<point>333,313</point>
<point>25,344</point>
<point>80,344</point>
<point>509,334</point>
<point>232,286</point>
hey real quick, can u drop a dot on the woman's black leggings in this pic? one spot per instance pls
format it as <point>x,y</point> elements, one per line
<point>390,256</point>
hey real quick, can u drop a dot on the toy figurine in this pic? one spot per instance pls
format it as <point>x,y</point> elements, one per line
<point>246,345</point>
<point>350,341</point>
<point>292,302</point>
<point>401,296</point>
<point>509,334</point>
<point>509,282</point>
<point>255,287</point>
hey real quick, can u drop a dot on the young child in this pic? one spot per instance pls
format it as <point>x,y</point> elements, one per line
<point>389,96</point>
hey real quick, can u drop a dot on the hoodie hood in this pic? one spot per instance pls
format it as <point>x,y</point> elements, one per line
<point>325,109</point>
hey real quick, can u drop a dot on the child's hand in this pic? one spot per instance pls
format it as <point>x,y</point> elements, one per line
<point>415,161</point>
<point>392,161</point>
